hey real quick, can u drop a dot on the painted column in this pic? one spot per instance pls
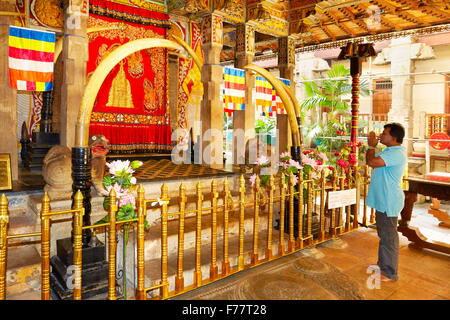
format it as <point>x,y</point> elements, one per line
<point>8,105</point>
<point>212,108</point>
<point>244,119</point>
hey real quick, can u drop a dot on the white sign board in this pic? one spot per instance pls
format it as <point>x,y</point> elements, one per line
<point>339,199</point>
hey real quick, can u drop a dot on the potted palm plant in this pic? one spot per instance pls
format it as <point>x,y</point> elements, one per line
<point>327,96</point>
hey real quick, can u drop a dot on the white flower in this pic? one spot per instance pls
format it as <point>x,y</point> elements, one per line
<point>159,202</point>
<point>133,180</point>
<point>285,155</point>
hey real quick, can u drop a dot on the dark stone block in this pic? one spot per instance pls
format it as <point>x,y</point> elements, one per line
<point>64,250</point>
<point>50,138</point>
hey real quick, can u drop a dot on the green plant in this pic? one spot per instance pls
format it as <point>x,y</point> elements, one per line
<point>265,125</point>
<point>327,96</point>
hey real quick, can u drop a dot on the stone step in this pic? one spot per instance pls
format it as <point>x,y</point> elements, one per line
<point>23,274</point>
<point>153,236</point>
<point>21,223</point>
<point>153,266</point>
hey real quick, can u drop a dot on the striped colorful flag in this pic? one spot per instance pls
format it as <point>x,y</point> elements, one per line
<point>31,59</point>
<point>234,89</point>
<point>263,96</point>
<point>278,104</point>
<point>268,102</point>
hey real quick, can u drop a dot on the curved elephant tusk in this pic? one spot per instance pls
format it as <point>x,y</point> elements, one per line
<point>191,52</point>
<point>284,97</point>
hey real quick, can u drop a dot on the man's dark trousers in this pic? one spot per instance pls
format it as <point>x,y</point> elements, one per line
<point>389,245</point>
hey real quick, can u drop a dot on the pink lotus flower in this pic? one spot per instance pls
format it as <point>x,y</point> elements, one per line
<point>253,179</point>
<point>283,164</point>
<point>126,199</point>
<point>262,160</point>
<point>285,155</point>
<point>117,188</point>
<point>119,167</point>
<point>295,180</point>
<point>323,156</point>
<point>308,161</point>
<point>293,163</point>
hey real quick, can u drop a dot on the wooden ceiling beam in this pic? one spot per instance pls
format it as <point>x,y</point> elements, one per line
<point>339,24</point>
<point>328,32</point>
<point>435,12</point>
<point>399,12</point>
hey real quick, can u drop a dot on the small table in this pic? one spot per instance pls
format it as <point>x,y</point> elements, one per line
<point>427,187</point>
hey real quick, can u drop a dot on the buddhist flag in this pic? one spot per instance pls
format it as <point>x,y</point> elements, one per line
<point>234,89</point>
<point>264,96</point>
<point>278,105</point>
<point>31,59</point>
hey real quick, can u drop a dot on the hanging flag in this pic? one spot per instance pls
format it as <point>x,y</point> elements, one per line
<point>31,59</point>
<point>234,89</point>
<point>278,105</point>
<point>263,96</point>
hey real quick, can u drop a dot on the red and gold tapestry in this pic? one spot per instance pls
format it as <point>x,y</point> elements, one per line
<point>131,107</point>
<point>189,80</point>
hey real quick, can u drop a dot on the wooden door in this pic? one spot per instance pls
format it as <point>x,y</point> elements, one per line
<point>382,97</point>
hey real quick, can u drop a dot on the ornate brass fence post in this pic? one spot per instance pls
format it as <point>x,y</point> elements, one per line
<point>348,208</point>
<point>78,244</point>
<point>45,247</point>
<point>215,196</point>
<point>310,193</point>
<point>282,213</point>
<point>269,252</point>
<point>322,207</point>
<point>198,238</point>
<point>358,198</point>
<point>256,191</point>
<point>112,246</point>
<point>141,212</point>
<point>164,248</point>
<point>241,222</point>
<point>291,242</point>
<point>227,200</point>
<point>364,187</point>
<point>179,279</point>
<point>300,210</point>
<point>333,211</point>
<point>4,221</point>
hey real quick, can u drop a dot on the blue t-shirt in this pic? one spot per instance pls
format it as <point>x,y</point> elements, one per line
<point>385,191</point>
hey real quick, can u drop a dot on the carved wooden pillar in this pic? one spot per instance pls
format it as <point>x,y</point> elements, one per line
<point>244,119</point>
<point>8,108</point>
<point>286,65</point>
<point>211,108</point>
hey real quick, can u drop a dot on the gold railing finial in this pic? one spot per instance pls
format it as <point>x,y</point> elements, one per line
<point>4,220</point>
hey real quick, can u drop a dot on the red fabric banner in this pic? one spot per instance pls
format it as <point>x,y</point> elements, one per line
<point>131,107</point>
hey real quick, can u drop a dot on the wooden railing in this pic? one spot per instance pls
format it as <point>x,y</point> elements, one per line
<point>439,122</point>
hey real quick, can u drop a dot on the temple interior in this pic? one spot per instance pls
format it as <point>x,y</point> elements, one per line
<point>216,149</point>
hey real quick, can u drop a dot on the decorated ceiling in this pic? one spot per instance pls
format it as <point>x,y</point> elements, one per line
<point>312,24</point>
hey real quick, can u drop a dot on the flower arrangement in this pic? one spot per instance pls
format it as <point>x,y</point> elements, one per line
<point>120,178</point>
<point>344,158</point>
<point>311,161</point>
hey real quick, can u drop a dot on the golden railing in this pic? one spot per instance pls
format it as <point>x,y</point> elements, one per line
<point>45,235</point>
<point>297,205</point>
<point>280,190</point>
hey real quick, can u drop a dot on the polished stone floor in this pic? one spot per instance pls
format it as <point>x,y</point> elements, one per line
<point>337,270</point>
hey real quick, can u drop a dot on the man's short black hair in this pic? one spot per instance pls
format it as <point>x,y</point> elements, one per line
<point>397,131</point>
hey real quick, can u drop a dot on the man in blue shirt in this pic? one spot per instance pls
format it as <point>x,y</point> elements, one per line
<point>386,194</point>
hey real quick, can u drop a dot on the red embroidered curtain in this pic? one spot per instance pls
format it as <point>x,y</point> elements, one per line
<point>131,107</point>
